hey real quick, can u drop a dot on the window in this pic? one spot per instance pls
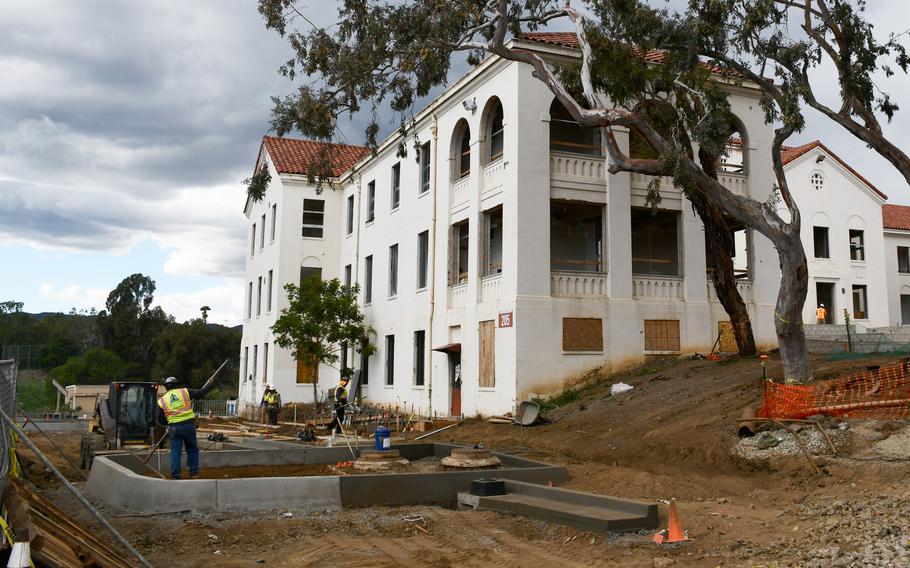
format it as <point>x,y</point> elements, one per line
<point>390,359</point>
<point>368,279</point>
<point>576,237</point>
<point>308,272</point>
<point>582,334</point>
<point>350,225</point>
<point>817,180</point>
<point>265,362</point>
<point>493,246</point>
<point>262,233</point>
<point>313,217</point>
<point>496,133</point>
<point>274,220</point>
<point>393,271</point>
<point>347,275</point>
<point>396,185</point>
<point>487,353</point>
<point>458,268</point>
<point>662,335</point>
<point>246,363</point>
<point>425,167</point>
<point>259,297</point>
<point>566,135</point>
<point>860,309</point>
<point>461,147</point>
<point>268,294</point>
<point>364,369</point>
<point>253,240</point>
<point>419,357</point>
<point>249,302</point>
<point>371,201</point>
<point>857,249</point>
<point>903,259</point>
<point>820,242</point>
<point>655,242</point>
<point>255,362</point>
<point>307,369</point>
<point>423,258</point>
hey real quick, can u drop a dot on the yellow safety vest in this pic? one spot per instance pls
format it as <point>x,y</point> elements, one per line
<point>177,406</point>
<point>820,313</point>
<point>344,392</point>
<point>271,397</point>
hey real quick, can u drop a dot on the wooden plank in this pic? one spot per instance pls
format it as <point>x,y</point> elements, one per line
<point>582,334</point>
<point>487,354</point>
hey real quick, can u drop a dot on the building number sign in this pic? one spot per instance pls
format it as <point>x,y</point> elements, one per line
<point>505,319</point>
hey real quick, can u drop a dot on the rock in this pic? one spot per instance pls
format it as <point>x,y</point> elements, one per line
<point>766,441</point>
<point>662,561</point>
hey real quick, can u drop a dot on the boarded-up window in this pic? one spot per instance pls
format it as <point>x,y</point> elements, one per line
<point>582,334</point>
<point>488,354</point>
<point>727,342</point>
<point>307,370</point>
<point>661,335</point>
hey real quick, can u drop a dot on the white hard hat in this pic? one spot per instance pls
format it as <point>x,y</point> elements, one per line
<point>821,305</point>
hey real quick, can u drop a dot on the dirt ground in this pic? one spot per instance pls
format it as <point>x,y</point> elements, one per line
<point>672,436</point>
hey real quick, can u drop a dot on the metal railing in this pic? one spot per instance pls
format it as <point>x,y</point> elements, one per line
<point>215,407</point>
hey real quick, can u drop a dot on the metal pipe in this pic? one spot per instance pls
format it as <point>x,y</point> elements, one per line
<point>435,431</point>
<point>94,512</point>
<point>434,130</point>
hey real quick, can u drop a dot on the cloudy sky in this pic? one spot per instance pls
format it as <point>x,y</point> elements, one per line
<point>126,129</point>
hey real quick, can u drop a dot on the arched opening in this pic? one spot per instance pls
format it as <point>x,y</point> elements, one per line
<point>493,130</point>
<point>639,147</point>
<point>735,157</point>
<point>461,150</point>
<point>566,135</point>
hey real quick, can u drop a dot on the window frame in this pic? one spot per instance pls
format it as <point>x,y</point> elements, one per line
<point>311,226</point>
<point>425,168</point>
<point>857,251</point>
<point>368,279</point>
<point>395,192</point>
<point>274,221</point>
<point>371,201</point>
<point>496,111</point>
<point>903,263</point>
<point>420,359</point>
<point>262,233</point>
<point>350,213</point>
<point>268,294</point>
<point>423,259</point>
<point>348,271</point>
<point>815,242</point>
<point>864,289</point>
<point>393,271</point>
<point>390,360</point>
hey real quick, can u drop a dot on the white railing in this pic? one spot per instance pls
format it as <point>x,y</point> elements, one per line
<point>737,183</point>
<point>458,295</point>
<point>490,288</point>
<point>657,288</point>
<point>493,175</point>
<point>744,286</point>
<point>578,284</point>
<point>574,166</point>
<point>458,191</point>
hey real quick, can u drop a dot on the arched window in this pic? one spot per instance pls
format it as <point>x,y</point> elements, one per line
<point>733,160</point>
<point>566,135</point>
<point>461,151</point>
<point>495,133</point>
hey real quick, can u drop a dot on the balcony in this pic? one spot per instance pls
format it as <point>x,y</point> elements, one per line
<point>564,284</point>
<point>490,288</point>
<point>660,288</point>
<point>458,295</point>
<point>737,183</point>
<point>744,287</point>
<point>493,176</point>
<point>577,171</point>
<point>458,191</point>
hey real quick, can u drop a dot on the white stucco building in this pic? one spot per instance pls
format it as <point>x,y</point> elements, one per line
<point>503,248</point>
<point>896,221</point>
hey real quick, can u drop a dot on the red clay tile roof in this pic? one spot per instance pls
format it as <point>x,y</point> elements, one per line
<point>896,217</point>
<point>294,156</point>
<point>790,153</point>
<point>569,39</point>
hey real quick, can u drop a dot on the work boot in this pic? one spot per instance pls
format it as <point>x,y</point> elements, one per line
<point>194,475</point>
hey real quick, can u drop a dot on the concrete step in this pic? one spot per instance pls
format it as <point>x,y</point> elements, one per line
<point>584,511</point>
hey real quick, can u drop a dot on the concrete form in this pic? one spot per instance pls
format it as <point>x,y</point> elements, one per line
<point>116,480</point>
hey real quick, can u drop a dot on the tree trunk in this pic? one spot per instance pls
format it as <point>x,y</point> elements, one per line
<point>788,314</point>
<point>719,243</point>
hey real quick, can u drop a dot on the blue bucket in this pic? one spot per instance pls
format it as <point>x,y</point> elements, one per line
<point>383,438</point>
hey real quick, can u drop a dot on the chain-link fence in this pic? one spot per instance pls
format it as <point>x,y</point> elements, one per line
<point>27,356</point>
<point>9,374</point>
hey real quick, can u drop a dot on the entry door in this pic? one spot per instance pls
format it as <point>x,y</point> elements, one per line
<point>455,382</point>
<point>905,309</point>
<point>824,294</point>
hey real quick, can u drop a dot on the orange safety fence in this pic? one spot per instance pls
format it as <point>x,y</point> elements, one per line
<point>876,393</point>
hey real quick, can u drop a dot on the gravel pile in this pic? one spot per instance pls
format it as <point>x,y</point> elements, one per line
<point>749,448</point>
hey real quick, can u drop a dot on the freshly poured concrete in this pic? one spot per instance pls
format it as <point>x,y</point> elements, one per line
<point>117,481</point>
<point>583,511</point>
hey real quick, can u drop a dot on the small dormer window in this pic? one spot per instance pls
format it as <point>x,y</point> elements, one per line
<point>817,180</point>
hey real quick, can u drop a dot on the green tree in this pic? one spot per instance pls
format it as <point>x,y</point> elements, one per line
<point>129,324</point>
<point>194,350</point>
<point>321,316</point>
<point>97,367</point>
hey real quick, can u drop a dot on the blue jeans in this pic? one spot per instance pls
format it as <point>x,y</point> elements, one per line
<point>178,435</point>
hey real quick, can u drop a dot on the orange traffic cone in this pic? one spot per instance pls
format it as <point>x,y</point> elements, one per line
<point>674,532</point>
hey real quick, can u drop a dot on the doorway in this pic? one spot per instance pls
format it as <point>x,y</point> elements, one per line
<point>455,382</point>
<point>824,295</point>
<point>905,309</point>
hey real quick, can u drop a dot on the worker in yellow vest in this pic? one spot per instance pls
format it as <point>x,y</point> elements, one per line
<point>177,407</point>
<point>821,313</point>
<point>340,401</point>
<point>272,401</point>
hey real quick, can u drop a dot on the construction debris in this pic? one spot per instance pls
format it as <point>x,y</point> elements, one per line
<point>468,458</point>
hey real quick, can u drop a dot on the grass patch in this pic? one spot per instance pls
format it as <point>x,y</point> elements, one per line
<point>37,395</point>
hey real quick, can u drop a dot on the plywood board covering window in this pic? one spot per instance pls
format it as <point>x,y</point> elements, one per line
<point>307,370</point>
<point>662,335</point>
<point>582,334</point>
<point>487,354</point>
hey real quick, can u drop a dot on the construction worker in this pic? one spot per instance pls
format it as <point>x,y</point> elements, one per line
<point>272,401</point>
<point>821,313</point>
<point>340,399</point>
<point>177,407</point>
